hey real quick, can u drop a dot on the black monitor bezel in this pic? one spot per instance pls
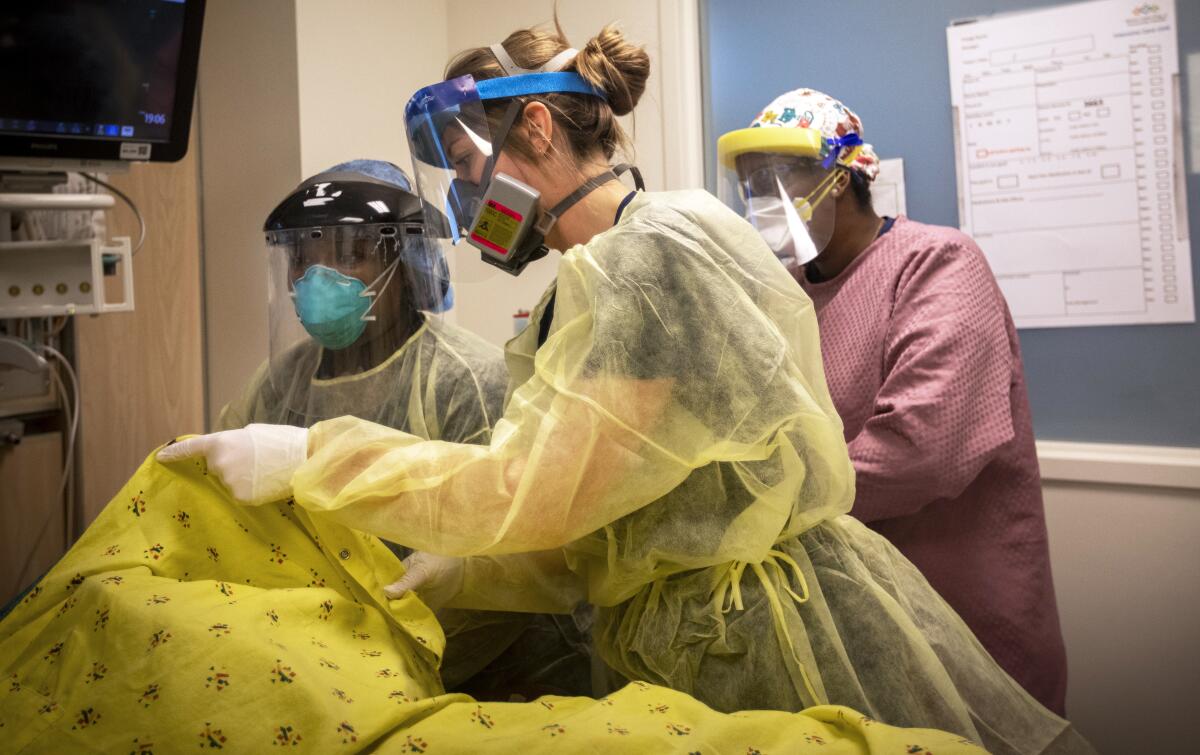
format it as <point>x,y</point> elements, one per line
<point>21,146</point>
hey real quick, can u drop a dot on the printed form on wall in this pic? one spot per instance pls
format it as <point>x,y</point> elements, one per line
<point>1069,152</point>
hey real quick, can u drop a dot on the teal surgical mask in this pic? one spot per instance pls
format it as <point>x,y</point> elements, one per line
<point>335,308</point>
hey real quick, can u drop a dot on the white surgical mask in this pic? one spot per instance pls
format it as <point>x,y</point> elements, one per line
<point>781,226</point>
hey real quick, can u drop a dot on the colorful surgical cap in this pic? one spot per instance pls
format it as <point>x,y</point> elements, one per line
<point>808,108</point>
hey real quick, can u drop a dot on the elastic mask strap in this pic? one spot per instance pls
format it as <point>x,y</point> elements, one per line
<point>506,62</point>
<point>587,187</point>
<point>817,195</point>
<point>389,272</point>
<point>638,183</point>
<point>550,217</point>
<point>557,63</point>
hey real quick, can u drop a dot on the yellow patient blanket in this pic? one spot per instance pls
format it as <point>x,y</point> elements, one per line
<point>182,621</point>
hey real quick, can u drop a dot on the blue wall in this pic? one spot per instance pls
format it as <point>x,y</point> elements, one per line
<point>887,61</point>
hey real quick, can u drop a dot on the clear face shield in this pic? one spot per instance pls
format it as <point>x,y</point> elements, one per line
<point>777,179</point>
<point>455,147</point>
<point>451,143</point>
<point>343,301</point>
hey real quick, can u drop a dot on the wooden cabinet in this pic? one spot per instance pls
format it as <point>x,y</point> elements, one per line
<point>141,373</point>
<point>31,513</point>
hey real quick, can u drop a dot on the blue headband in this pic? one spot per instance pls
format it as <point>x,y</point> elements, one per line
<point>525,84</point>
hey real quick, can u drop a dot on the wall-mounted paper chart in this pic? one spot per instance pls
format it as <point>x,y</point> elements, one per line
<point>1070,161</point>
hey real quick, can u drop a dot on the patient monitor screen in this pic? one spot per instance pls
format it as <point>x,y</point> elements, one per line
<point>90,69</point>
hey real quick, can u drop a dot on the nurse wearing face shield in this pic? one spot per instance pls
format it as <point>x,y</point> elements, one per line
<point>356,289</point>
<point>786,182</point>
<point>356,293</point>
<point>924,366</point>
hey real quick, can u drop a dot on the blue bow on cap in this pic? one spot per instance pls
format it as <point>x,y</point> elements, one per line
<point>849,140</point>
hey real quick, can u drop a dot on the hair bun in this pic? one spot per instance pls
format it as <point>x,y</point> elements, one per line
<point>616,66</point>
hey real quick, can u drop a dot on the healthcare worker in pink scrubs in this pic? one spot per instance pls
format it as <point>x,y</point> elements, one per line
<point>924,365</point>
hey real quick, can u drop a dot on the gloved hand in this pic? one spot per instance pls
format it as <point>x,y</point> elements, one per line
<point>256,463</point>
<point>436,579</point>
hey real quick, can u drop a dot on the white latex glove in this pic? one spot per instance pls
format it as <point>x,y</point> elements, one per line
<point>436,579</point>
<point>256,463</point>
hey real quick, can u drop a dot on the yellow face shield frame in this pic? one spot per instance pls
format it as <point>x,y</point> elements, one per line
<point>795,218</point>
<point>800,142</point>
<point>796,142</point>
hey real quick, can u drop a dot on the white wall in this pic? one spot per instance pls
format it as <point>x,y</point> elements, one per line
<point>1127,574</point>
<point>357,64</point>
<point>249,160</point>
